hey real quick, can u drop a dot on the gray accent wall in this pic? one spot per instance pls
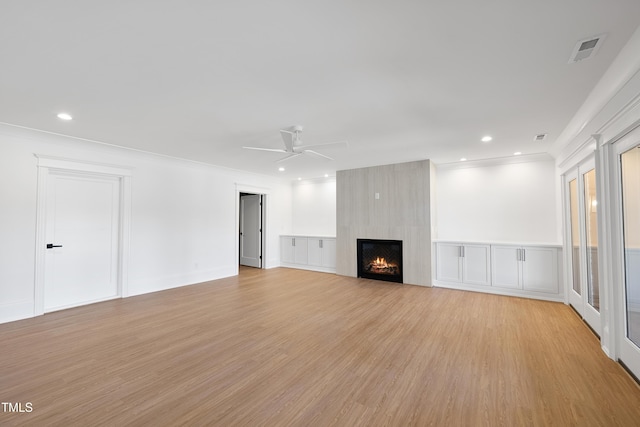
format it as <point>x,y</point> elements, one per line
<point>402,211</point>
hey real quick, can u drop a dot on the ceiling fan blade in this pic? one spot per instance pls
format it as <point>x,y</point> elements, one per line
<point>315,153</point>
<point>329,144</point>
<point>290,156</point>
<point>287,137</point>
<point>276,150</point>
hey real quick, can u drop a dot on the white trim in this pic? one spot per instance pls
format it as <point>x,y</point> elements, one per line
<point>62,163</point>
<point>317,268</point>
<point>623,121</point>
<point>544,296</point>
<point>67,306</point>
<point>244,188</point>
<point>498,161</point>
<point>16,310</point>
<point>606,220</point>
<point>48,164</point>
<point>317,180</point>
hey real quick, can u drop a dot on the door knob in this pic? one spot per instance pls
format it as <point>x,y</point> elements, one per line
<point>51,246</point>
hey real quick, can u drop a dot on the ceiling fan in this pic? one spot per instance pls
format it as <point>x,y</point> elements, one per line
<point>294,147</point>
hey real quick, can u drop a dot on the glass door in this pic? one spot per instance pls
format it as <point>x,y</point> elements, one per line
<point>575,295</point>
<point>582,202</point>
<point>591,282</point>
<point>630,196</point>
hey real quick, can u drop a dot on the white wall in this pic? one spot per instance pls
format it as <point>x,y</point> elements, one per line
<point>183,223</point>
<point>489,202</point>
<point>314,207</point>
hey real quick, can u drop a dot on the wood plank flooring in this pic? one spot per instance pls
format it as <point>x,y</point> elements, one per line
<point>287,347</point>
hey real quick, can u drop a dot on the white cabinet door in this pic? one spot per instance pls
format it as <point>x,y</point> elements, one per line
<point>314,251</point>
<point>540,269</point>
<point>329,253</point>
<point>448,264</point>
<point>476,264</point>
<point>286,249</point>
<point>300,253</point>
<point>505,266</point>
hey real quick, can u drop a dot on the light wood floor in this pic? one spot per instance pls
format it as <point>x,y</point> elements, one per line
<point>289,347</point>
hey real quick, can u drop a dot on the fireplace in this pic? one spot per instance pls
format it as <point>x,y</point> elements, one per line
<point>380,259</point>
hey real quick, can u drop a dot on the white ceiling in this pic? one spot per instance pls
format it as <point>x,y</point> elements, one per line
<point>399,80</point>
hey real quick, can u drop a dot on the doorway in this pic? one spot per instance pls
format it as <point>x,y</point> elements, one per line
<point>251,226</point>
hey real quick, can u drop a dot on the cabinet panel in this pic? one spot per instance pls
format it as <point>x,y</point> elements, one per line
<point>448,264</point>
<point>505,267</point>
<point>476,265</point>
<point>329,253</point>
<point>286,249</point>
<point>300,250</point>
<point>540,269</point>
<point>314,251</point>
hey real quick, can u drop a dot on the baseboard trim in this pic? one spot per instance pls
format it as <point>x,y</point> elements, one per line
<point>499,291</point>
<point>10,312</point>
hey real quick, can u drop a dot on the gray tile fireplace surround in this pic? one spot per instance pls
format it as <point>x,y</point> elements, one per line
<point>391,202</point>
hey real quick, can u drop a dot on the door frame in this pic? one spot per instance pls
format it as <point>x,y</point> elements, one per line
<point>590,314</point>
<point>243,232</point>
<point>579,302</point>
<point>264,192</point>
<point>47,164</point>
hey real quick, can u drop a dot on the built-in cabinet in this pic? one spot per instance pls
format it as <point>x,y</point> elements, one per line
<point>525,267</point>
<point>520,270</point>
<point>463,263</point>
<point>308,253</point>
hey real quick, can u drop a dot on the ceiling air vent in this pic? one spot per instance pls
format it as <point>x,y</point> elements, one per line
<point>586,48</point>
<point>540,137</point>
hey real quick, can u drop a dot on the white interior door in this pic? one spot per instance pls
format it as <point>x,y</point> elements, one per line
<point>251,230</point>
<point>82,239</point>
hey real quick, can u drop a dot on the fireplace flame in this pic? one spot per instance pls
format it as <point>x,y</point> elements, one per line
<point>380,262</point>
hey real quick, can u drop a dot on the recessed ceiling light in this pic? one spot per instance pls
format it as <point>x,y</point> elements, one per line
<point>486,138</point>
<point>299,179</point>
<point>281,169</point>
<point>64,116</point>
<point>517,153</point>
<point>326,175</point>
<point>464,159</point>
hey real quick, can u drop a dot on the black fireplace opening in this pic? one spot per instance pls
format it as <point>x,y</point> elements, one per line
<point>380,260</point>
